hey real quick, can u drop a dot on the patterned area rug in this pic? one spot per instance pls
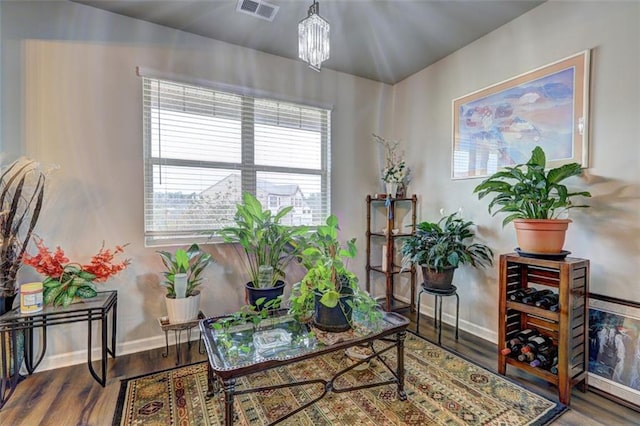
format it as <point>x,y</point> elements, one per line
<point>442,389</point>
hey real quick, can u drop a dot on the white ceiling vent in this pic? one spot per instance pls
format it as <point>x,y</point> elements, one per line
<point>258,8</point>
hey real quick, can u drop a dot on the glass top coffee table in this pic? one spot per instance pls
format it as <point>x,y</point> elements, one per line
<point>279,340</point>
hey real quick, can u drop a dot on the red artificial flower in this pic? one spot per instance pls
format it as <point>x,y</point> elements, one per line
<point>102,265</point>
<point>53,265</point>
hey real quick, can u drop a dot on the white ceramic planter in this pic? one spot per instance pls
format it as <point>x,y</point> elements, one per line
<point>392,188</point>
<point>183,310</point>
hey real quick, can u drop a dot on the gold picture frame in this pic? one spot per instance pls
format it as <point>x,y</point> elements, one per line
<point>499,126</point>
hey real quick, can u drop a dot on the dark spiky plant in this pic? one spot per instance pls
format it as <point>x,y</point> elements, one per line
<point>21,196</point>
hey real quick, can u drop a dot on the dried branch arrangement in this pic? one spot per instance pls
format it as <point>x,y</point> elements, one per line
<point>21,195</point>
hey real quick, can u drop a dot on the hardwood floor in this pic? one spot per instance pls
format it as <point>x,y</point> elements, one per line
<point>70,396</point>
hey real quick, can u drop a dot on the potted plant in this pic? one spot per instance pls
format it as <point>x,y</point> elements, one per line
<point>439,248</point>
<point>533,200</point>
<point>268,245</point>
<point>329,292</point>
<point>395,169</point>
<point>21,196</point>
<point>68,282</point>
<point>182,279</point>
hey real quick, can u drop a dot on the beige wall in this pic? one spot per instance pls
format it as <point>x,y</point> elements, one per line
<point>608,233</point>
<point>74,101</point>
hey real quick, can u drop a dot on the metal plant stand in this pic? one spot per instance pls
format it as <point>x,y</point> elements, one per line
<point>177,329</point>
<point>437,314</point>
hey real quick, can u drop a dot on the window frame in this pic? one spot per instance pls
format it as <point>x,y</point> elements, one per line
<point>247,167</point>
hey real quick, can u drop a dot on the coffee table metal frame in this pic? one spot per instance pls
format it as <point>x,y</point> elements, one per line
<point>226,377</point>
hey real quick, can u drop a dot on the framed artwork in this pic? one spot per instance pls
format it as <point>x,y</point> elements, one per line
<point>500,125</point>
<point>614,349</point>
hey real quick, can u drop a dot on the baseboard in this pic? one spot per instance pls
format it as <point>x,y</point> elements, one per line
<point>449,319</point>
<point>125,348</point>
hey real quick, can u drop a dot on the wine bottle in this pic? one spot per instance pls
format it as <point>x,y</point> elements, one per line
<point>547,301</point>
<point>515,344</point>
<point>535,344</point>
<point>528,333</point>
<point>545,358</point>
<point>532,298</point>
<point>554,367</point>
<point>530,354</point>
<point>526,356</point>
<point>519,294</point>
<point>554,308</point>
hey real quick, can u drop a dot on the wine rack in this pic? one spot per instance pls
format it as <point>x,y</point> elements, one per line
<point>567,327</point>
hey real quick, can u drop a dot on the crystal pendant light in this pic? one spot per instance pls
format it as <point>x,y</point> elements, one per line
<point>313,38</point>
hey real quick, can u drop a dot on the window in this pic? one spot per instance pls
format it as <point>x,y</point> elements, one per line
<point>204,147</point>
<point>273,201</point>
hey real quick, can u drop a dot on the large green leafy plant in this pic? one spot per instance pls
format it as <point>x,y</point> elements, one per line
<point>445,244</point>
<point>192,262</point>
<point>264,239</point>
<point>527,191</point>
<point>324,257</point>
<point>327,275</point>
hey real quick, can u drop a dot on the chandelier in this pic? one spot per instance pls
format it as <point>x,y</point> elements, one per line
<point>313,38</point>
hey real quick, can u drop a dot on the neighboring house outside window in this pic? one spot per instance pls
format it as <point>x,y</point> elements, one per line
<point>204,147</point>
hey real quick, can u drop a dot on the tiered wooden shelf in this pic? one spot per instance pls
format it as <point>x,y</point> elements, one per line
<point>390,270</point>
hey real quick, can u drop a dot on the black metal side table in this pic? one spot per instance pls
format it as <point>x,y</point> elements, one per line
<point>437,314</point>
<point>95,309</point>
<point>178,328</point>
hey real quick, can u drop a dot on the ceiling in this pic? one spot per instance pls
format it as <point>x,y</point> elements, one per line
<point>383,40</point>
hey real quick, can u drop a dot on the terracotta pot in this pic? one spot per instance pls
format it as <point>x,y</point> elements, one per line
<point>541,235</point>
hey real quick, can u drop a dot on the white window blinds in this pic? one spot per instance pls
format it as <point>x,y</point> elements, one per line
<point>204,147</point>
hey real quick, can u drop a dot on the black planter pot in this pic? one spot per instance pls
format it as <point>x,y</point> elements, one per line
<point>437,280</point>
<point>334,319</point>
<point>269,293</point>
<point>6,303</point>
<point>14,355</point>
